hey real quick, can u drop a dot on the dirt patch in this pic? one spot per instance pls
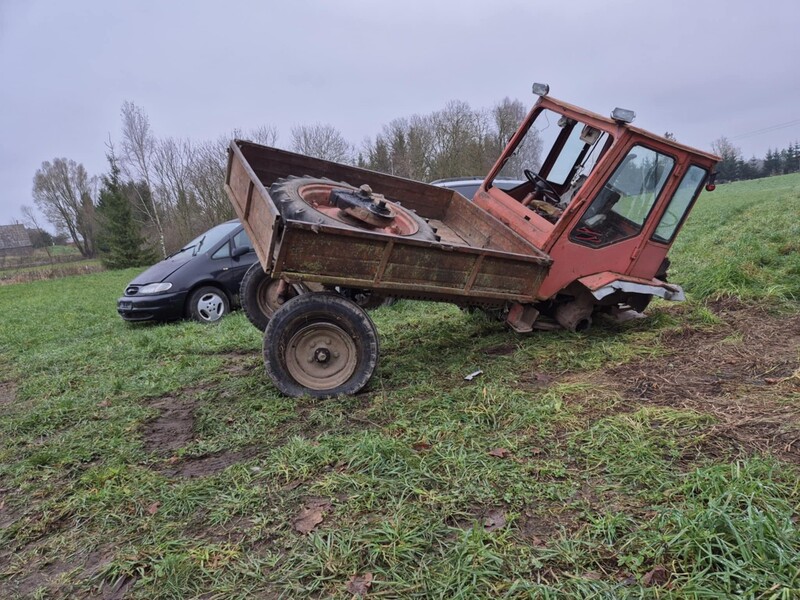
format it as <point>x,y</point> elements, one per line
<point>8,392</point>
<point>209,464</point>
<point>173,428</point>
<point>234,532</point>
<point>242,362</point>
<point>743,372</point>
<point>46,573</point>
<point>500,350</point>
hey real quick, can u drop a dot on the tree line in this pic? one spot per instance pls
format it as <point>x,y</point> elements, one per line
<point>733,167</point>
<point>160,192</point>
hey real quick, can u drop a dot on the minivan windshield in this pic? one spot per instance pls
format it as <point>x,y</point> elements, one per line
<point>210,238</point>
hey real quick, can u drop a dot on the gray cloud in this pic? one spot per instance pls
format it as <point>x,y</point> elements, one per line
<point>202,68</point>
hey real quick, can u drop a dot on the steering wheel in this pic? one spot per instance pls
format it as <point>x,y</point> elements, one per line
<point>540,183</point>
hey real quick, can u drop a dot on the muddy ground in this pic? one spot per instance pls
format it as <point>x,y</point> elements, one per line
<point>745,372</point>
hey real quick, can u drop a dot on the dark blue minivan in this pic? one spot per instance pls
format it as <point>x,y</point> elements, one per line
<point>200,281</point>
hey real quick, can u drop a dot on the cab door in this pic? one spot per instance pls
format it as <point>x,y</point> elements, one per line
<point>608,234</point>
<point>655,249</point>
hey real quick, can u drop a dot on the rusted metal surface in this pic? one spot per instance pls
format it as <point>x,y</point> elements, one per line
<point>270,164</point>
<point>493,251</point>
<point>478,260</point>
<point>252,204</point>
<point>397,266</point>
<point>638,256</point>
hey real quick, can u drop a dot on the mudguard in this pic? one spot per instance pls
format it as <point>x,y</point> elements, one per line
<point>604,284</point>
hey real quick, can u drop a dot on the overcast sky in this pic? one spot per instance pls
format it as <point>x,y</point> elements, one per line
<point>698,68</point>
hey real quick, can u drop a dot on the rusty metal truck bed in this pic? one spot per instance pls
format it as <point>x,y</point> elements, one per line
<point>477,260</point>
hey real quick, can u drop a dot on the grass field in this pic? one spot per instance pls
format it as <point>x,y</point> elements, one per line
<point>652,459</point>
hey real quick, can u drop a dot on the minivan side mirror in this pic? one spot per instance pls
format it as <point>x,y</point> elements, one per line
<point>241,250</point>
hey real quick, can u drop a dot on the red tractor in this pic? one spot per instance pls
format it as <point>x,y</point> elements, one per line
<point>587,230</point>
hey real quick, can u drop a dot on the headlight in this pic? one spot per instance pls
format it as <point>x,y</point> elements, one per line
<point>155,288</point>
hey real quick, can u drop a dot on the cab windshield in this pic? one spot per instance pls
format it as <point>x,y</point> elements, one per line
<point>556,156</point>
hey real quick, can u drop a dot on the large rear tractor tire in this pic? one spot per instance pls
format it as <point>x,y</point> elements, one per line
<point>308,199</point>
<point>320,345</point>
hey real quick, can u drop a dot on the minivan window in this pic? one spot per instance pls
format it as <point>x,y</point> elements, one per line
<point>241,239</point>
<point>223,252</point>
<point>210,238</point>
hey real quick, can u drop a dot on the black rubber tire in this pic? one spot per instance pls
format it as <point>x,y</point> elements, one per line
<point>286,195</point>
<point>207,304</point>
<point>312,332</point>
<point>254,295</point>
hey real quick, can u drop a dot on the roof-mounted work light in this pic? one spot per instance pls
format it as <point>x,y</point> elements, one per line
<point>623,115</point>
<point>541,89</point>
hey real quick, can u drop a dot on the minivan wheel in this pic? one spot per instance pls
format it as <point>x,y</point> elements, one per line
<point>207,304</point>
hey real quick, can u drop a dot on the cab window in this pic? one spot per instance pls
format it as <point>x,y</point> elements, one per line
<point>557,148</point>
<point>677,208</point>
<point>622,206</point>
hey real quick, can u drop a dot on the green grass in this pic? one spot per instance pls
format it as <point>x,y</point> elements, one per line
<point>743,240</point>
<point>592,495</point>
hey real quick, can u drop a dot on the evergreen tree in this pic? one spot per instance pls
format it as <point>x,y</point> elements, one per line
<point>120,241</point>
<point>772,163</point>
<point>728,167</point>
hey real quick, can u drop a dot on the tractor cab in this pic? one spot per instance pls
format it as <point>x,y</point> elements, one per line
<point>603,198</point>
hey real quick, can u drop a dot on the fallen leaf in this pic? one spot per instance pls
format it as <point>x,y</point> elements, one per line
<point>536,451</point>
<point>421,446</point>
<point>312,515</point>
<point>494,519</point>
<point>359,584</point>
<point>104,404</point>
<point>593,575</point>
<point>499,453</point>
<point>173,459</point>
<point>657,576</point>
<point>537,541</point>
<point>772,380</point>
<point>153,508</point>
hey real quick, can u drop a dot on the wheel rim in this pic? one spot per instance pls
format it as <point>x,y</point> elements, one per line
<point>210,307</point>
<point>267,297</point>
<point>321,356</point>
<point>317,195</point>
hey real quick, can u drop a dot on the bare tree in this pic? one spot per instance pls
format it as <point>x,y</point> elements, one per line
<point>33,221</point>
<point>267,135</point>
<point>728,167</point>
<point>322,141</point>
<point>138,147</point>
<point>63,192</point>
<point>172,169</point>
<point>507,115</point>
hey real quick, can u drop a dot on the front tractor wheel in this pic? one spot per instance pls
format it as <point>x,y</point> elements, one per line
<point>320,345</point>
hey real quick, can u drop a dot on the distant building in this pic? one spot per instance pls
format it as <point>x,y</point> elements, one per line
<point>14,241</point>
